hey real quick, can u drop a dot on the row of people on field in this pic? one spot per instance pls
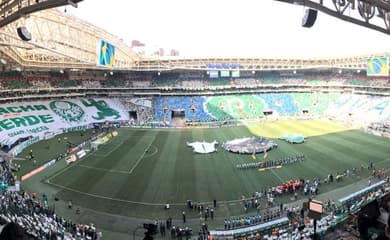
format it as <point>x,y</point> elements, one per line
<point>272,163</point>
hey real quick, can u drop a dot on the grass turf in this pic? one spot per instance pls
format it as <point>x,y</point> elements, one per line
<point>141,169</point>
<point>46,150</point>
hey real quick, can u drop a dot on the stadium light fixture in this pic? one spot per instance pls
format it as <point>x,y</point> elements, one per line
<point>253,72</point>
<point>111,73</point>
<point>24,34</point>
<point>309,18</point>
<point>62,71</point>
<point>159,73</point>
<point>340,71</point>
<point>295,72</point>
<point>358,71</point>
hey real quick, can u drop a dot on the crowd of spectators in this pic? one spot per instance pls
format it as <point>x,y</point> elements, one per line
<point>185,80</point>
<point>5,173</point>
<point>139,83</point>
<point>301,232</point>
<point>38,220</point>
<point>300,226</point>
<point>91,84</point>
<point>273,224</point>
<point>39,84</point>
<point>26,214</point>
<point>245,82</point>
<point>300,187</point>
<point>140,108</point>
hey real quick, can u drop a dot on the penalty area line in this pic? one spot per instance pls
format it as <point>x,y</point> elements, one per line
<point>140,158</point>
<point>103,169</point>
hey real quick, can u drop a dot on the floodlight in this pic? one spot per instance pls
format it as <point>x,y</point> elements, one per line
<point>309,18</point>
<point>23,33</point>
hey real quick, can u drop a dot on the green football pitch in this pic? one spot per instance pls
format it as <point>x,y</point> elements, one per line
<point>140,170</point>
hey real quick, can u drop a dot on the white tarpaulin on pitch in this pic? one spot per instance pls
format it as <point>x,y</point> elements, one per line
<point>203,147</point>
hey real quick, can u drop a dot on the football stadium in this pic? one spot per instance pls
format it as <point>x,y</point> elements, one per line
<point>101,141</point>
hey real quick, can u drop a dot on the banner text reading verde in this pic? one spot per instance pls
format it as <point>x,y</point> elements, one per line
<point>25,121</point>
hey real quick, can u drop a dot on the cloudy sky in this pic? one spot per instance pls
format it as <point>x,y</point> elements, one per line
<point>230,28</point>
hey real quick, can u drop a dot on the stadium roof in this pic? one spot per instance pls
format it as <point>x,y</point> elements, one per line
<point>11,10</point>
<point>59,41</point>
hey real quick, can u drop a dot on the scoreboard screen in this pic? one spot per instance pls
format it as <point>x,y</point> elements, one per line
<point>223,69</point>
<point>214,74</point>
<point>225,73</point>
<point>236,73</point>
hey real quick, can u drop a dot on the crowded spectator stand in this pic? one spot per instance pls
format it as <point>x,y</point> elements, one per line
<point>25,214</point>
<point>270,224</point>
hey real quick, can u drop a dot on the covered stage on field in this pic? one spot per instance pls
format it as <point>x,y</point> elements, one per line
<point>293,138</point>
<point>249,145</point>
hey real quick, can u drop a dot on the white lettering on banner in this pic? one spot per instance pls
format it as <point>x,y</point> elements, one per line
<point>38,129</point>
<point>81,153</point>
<point>12,134</point>
<point>35,119</point>
<point>78,128</point>
<point>21,108</point>
<point>51,162</point>
<point>23,145</point>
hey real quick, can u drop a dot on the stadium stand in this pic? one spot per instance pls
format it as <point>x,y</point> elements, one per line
<point>269,77</point>
<point>91,84</point>
<point>281,103</point>
<point>314,103</point>
<point>219,108</point>
<point>38,220</point>
<point>67,84</point>
<point>191,106</point>
<point>18,84</point>
<point>219,82</point>
<point>244,83</point>
<point>33,216</point>
<point>141,109</point>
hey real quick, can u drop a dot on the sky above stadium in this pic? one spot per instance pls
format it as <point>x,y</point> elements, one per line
<point>229,28</point>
